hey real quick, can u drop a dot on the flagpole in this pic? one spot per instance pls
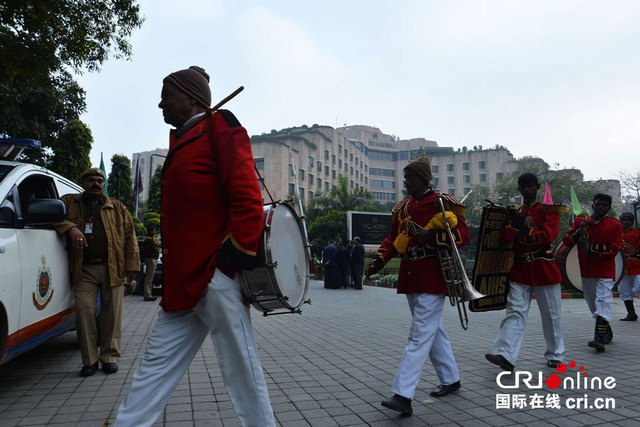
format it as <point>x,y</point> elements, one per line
<point>135,187</point>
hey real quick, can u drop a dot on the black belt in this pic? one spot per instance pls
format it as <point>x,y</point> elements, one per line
<point>95,261</point>
<point>529,257</point>
<point>415,253</point>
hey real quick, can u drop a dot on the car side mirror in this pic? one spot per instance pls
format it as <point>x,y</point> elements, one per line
<point>45,211</point>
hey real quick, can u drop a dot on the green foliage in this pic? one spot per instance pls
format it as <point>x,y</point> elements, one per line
<point>332,226</point>
<point>152,219</point>
<point>41,43</point>
<point>140,229</point>
<point>120,181</point>
<point>342,197</point>
<point>72,150</point>
<point>155,191</point>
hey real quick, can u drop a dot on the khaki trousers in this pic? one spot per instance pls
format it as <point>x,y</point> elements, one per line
<point>95,277</point>
<point>148,276</point>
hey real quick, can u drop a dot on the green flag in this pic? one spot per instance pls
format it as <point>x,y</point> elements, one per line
<point>106,191</point>
<point>575,204</point>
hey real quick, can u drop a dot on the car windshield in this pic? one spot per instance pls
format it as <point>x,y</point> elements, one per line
<point>4,171</point>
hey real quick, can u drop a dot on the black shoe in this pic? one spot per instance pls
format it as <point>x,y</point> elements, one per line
<point>608,336</point>
<point>109,368</point>
<point>597,345</point>
<point>399,403</point>
<point>89,370</point>
<point>631,312</point>
<point>553,363</point>
<point>499,360</point>
<point>443,390</point>
<point>150,298</point>
<point>630,317</point>
<point>600,334</point>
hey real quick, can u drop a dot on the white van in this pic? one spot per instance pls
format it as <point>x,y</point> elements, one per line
<point>36,300</point>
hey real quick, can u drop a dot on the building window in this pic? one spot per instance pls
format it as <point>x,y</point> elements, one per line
<point>259,164</point>
<point>366,168</point>
<point>292,172</point>
<point>465,166</point>
<point>326,154</point>
<point>452,192</point>
<point>434,168</point>
<point>498,175</point>
<point>366,180</point>
<point>482,164</point>
<point>319,181</point>
<point>326,171</point>
<point>292,189</point>
<point>339,148</point>
<point>310,195</point>
<point>310,160</point>
<point>356,161</point>
<point>346,153</point>
<point>351,157</point>
<point>379,183</point>
<point>467,179</point>
<point>301,176</point>
<point>356,173</point>
<point>449,180</point>
<point>351,170</point>
<point>351,183</point>
<point>483,177</point>
<point>384,196</point>
<point>326,186</point>
<point>339,163</point>
<point>319,166</point>
<point>450,167</point>
<point>333,159</point>
<point>466,190</point>
<point>301,190</point>
<point>310,179</point>
<point>382,172</point>
<point>435,181</point>
<point>333,173</point>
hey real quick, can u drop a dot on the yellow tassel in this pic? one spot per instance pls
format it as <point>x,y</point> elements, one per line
<point>402,241</point>
<point>438,222</point>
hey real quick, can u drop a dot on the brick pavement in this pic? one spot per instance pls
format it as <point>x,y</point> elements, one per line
<point>331,366</point>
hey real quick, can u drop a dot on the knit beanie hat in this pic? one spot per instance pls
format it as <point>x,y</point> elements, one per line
<point>421,167</point>
<point>193,81</point>
<point>624,215</point>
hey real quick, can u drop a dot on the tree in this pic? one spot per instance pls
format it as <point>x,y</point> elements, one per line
<point>41,43</point>
<point>120,182</point>
<point>154,203</point>
<point>342,198</point>
<point>72,150</point>
<point>332,226</point>
<point>152,220</point>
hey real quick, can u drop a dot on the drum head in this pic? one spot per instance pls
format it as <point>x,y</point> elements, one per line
<point>287,248</point>
<point>570,266</point>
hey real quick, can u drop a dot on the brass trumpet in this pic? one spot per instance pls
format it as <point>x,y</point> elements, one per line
<point>458,284</point>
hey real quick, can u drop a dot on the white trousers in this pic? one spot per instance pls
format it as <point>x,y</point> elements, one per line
<point>511,333</point>
<point>426,338</point>
<point>174,341</point>
<point>628,287</point>
<point>598,293</point>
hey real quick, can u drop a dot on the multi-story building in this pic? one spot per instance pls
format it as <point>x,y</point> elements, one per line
<point>369,159</point>
<point>148,162</point>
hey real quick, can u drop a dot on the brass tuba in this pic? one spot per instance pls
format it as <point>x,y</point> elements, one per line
<point>458,284</point>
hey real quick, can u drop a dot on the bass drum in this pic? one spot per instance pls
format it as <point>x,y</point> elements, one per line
<point>567,259</point>
<point>281,280</point>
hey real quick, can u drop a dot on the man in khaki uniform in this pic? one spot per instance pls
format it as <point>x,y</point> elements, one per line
<point>103,254</point>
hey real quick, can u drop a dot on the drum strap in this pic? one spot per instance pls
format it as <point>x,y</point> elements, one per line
<point>529,257</point>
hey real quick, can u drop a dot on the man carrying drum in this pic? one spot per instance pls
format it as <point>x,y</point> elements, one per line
<point>421,279</point>
<point>630,283</point>
<point>533,229</point>
<point>599,239</point>
<point>212,221</point>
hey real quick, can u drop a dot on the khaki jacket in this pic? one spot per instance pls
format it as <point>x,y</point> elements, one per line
<point>122,247</point>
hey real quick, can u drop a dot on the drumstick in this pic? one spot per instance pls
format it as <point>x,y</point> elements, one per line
<point>228,98</point>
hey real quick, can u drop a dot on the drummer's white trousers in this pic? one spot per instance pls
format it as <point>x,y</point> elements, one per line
<point>629,286</point>
<point>426,338</point>
<point>512,328</point>
<point>598,293</point>
<point>177,337</point>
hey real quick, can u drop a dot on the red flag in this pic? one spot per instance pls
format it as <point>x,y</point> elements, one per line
<point>547,195</point>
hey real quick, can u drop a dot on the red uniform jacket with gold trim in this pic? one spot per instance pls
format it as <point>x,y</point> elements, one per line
<point>423,275</point>
<point>605,241</point>
<point>542,230</point>
<point>212,212</point>
<point>632,239</point>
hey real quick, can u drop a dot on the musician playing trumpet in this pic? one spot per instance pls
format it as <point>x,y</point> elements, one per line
<point>630,283</point>
<point>599,239</point>
<point>533,228</point>
<point>421,279</point>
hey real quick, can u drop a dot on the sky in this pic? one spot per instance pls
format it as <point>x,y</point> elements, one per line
<point>555,79</point>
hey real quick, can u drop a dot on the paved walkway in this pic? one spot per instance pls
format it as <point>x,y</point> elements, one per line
<point>332,365</point>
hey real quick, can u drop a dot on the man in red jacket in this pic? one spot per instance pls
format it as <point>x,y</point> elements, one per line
<point>533,228</point>
<point>212,220</point>
<point>599,239</point>
<point>420,278</point>
<point>630,283</point>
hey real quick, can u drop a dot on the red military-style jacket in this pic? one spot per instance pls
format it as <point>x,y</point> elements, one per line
<point>212,213</point>
<point>534,240</point>
<point>631,239</point>
<point>422,275</point>
<point>605,241</point>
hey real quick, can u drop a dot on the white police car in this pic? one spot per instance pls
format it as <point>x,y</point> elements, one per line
<point>36,300</point>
